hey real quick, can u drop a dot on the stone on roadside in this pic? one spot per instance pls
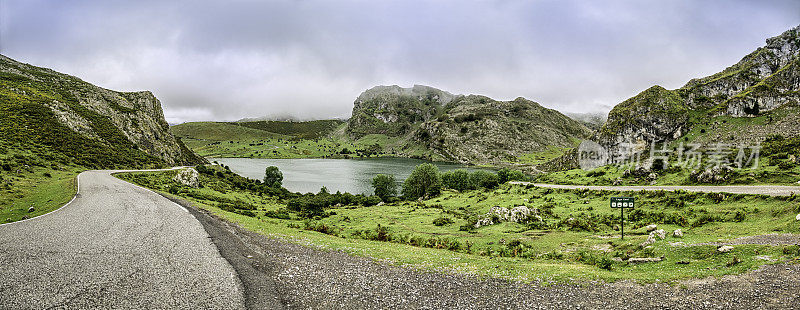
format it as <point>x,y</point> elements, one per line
<point>188,177</point>
<point>678,233</point>
<point>650,227</point>
<point>724,249</point>
<point>31,209</point>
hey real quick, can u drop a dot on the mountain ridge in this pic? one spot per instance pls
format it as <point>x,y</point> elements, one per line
<point>95,126</point>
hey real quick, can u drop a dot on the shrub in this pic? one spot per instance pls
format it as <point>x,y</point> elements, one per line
<point>278,214</point>
<point>506,175</point>
<point>273,177</point>
<point>309,205</point>
<point>385,186</point>
<point>424,181</point>
<point>484,179</point>
<point>442,221</point>
<point>458,179</point>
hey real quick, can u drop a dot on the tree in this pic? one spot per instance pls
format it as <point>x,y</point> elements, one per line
<point>424,181</point>
<point>385,186</point>
<point>273,177</point>
<point>457,179</point>
<point>505,175</point>
<point>484,179</point>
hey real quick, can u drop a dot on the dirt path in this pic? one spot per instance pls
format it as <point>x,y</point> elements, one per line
<point>772,190</point>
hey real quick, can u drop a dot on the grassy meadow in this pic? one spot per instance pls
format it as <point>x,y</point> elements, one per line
<point>576,240</point>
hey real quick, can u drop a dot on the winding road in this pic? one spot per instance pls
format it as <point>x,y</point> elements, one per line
<point>116,245</point>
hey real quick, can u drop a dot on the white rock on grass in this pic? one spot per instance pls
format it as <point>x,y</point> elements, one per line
<point>661,234</point>
<point>678,233</point>
<point>650,240</point>
<point>519,214</point>
<point>188,177</point>
<point>725,249</point>
<point>797,217</point>
<point>650,228</point>
<point>639,260</point>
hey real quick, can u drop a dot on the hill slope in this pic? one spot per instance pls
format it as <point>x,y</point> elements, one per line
<point>758,95</point>
<point>80,123</point>
<point>468,129</point>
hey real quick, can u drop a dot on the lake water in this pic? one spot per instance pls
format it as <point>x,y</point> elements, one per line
<point>345,175</point>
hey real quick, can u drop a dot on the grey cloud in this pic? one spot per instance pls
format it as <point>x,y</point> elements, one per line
<point>225,60</point>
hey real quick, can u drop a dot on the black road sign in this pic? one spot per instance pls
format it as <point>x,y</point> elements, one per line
<point>622,203</point>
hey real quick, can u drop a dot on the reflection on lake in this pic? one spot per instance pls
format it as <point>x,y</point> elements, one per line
<point>345,175</point>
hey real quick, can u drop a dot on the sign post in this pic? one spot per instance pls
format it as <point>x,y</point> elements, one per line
<point>622,203</point>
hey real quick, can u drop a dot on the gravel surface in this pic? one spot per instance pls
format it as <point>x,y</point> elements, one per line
<point>308,278</point>
<point>772,190</point>
<point>117,246</point>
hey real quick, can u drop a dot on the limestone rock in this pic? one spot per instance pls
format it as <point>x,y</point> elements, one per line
<point>650,240</point>
<point>520,214</point>
<point>639,260</point>
<point>718,174</point>
<point>473,128</point>
<point>650,227</point>
<point>724,249</point>
<point>678,233</point>
<point>188,177</point>
<point>133,116</point>
<point>762,81</point>
<point>660,234</point>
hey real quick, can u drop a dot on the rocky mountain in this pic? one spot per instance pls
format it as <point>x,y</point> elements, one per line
<point>469,129</point>
<point>757,96</point>
<point>93,126</point>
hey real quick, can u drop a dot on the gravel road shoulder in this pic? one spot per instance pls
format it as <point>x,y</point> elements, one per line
<point>298,277</point>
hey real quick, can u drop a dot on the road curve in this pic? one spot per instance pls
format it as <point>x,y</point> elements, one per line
<point>116,245</point>
<point>772,190</point>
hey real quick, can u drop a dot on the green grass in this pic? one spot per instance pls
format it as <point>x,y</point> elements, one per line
<point>538,158</point>
<point>43,193</point>
<point>559,251</point>
<point>33,178</point>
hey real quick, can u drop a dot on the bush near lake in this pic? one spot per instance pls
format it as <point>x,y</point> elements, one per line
<point>385,186</point>
<point>424,181</point>
<point>273,177</point>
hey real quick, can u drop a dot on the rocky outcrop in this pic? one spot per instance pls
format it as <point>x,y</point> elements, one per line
<point>763,81</point>
<point>188,177</point>
<point>521,214</point>
<point>110,119</point>
<point>467,129</point>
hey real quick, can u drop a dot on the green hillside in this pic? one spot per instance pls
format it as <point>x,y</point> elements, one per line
<point>53,126</point>
<point>276,139</point>
<point>306,130</point>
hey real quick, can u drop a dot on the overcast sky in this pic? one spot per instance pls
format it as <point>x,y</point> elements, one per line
<point>215,60</point>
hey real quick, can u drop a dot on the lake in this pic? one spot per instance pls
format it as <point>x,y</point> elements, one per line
<point>345,175</point>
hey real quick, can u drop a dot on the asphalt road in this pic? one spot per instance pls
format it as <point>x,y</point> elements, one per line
<point>116,245</point>
<point>772,190</point>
